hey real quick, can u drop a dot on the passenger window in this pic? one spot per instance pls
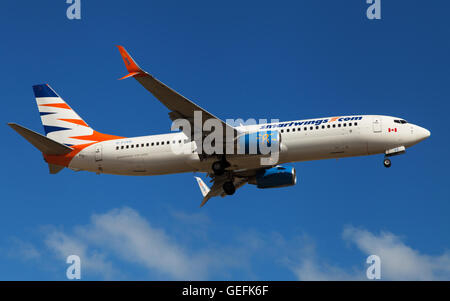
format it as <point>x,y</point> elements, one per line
<point>162,142</point>
<point>282,131</point>
<point>334,125</point>
<point>157,143</point>
<point>328,126</point>
<point>179,141</point>
<point>147,144</point>
<point>356,123</point>
<point>128,146</point>
<point>117,147</point>
<point>142,145</point>
<point>339,125</point>
<point>287,130</point>
<point>168,142</point>
<point>299,129</point>
<point>317,127</point>
<point>323,126</point>
<point>121,147</point>
<point>350,124</point>
<point>345,124</point>
<point>153,143</point>
<point>132,145</point>
<point>137,145</point>
<point>305,128</point>
<point>293,129</point>
<point>311,128</point>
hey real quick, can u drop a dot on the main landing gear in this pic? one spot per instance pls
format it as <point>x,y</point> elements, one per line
<point>387,162</point>
<point>229,187</point>
<point>218,167</point>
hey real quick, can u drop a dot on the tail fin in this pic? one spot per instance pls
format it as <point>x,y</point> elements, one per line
<point>61,123</point>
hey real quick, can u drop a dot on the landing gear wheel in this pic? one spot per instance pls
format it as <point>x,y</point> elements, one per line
<point>387,163</point>
<point>229,188</point>
<point>218,167</point>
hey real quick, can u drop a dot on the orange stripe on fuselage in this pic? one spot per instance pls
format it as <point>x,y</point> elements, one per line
<point>64,160</point>
<point>61,105</point>
<point>96,136</point>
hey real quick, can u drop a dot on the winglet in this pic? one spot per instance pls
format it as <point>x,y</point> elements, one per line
<point>130,64</point>
<point>204,189</point>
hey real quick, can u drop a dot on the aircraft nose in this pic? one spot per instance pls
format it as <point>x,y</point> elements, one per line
<point>422,133</point>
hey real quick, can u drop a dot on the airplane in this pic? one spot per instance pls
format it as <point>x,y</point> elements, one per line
<point>69,142</point>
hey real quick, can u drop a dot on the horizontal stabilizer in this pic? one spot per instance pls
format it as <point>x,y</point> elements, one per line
<point>46,145</point>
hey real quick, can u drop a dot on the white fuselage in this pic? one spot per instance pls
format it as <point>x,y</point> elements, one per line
<point>302,140</point>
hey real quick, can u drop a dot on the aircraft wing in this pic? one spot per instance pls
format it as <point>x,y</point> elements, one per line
<point>241,177</point>
<point>179,106</point>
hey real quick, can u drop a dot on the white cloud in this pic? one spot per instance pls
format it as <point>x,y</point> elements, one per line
<point>93,261</point>
<point>311,269</point>
<point>198,219</point>
<point>123,236</point>
<point>130,236</point>
<point>126,235</point>
<point>399,261</point>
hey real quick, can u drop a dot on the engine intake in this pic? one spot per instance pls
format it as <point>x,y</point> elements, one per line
<point>278,176</point>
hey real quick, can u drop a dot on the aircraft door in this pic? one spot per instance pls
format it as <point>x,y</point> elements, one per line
<point>376,124</point>
<point>98,153</point>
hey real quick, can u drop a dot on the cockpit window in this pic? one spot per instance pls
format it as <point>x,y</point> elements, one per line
<point>400,121</point>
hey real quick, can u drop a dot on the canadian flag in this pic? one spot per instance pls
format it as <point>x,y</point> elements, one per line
<point>392,130</point>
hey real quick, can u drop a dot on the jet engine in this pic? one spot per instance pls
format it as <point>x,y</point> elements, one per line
<point>275,177</point>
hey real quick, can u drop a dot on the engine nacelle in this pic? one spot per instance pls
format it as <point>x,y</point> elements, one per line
<point>278,176</point>
<point>259,143</point>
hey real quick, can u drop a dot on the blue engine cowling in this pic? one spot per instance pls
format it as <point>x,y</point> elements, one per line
<point>259,143</point>
<point>278,176</point>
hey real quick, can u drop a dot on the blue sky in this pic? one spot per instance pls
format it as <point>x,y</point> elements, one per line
<point>238,59</point>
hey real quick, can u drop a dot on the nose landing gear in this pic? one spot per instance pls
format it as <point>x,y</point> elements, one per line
<point>387,162</point>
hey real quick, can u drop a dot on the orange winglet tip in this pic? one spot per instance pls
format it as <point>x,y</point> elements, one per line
<point>130,75</point>
<point>131,65</point>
